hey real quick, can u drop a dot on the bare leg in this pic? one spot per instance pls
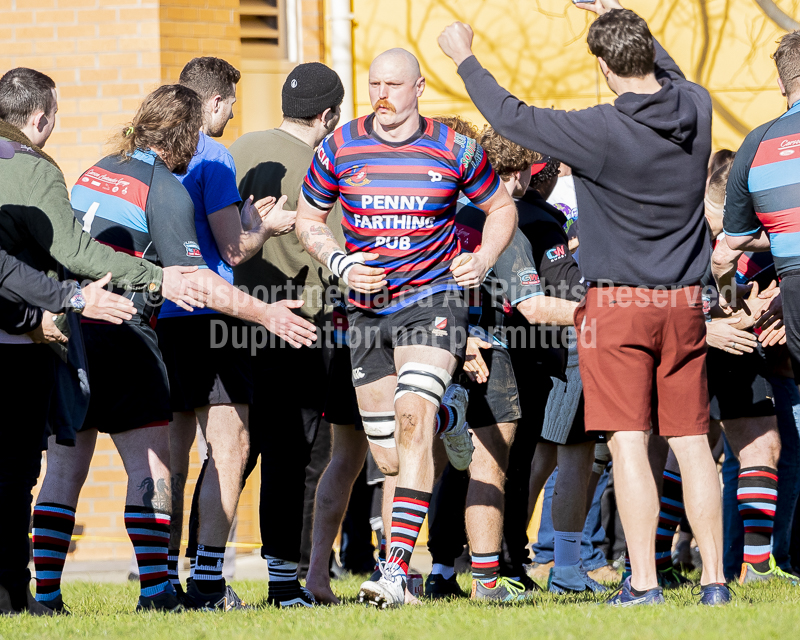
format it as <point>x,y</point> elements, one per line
<point>755,441</point>
<point>225,429</point>
<point>67,468</point>
<point>638,503</point>
<point>145,454</point>
<point>182,431</point>
<point>333,495</point>
<point>484,515</point>
<point>701,495</point>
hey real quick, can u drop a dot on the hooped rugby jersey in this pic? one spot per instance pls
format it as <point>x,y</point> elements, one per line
<point>399,202</point>
<point>764,188</point>
<point>138,207</point>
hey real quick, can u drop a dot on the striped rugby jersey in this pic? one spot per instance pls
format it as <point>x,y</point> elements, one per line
<point>399,201</point>
<point>138,207</point>
<point>764,188</point>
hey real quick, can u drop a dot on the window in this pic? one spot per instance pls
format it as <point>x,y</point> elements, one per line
<point>263,29</point>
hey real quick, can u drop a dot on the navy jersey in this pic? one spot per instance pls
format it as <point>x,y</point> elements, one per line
<point>138,207</point>
<point>764,188</point>
<point>399,201</point>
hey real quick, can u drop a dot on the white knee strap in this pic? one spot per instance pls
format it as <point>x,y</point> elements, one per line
<point>379,427</point>
<point>425,380</point>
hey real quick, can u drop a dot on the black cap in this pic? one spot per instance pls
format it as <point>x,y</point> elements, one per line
<point>310,89</point>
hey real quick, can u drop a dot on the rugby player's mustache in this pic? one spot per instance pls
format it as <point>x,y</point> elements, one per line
<point>386,105</point>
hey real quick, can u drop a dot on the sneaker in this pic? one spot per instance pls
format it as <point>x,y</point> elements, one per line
<point>625,598</point>
<point>167,600</point>
<point>224,600</point>
<point>457,439</point>
<point>527,582</point>
<point>750,575</point>
<point>388,591</point>
<point>574,579</point>
<point>437,587</point>
<point>671,578</point>
<point>290,594</point>
<point>714,595</point>
<point>505,590</point>
<point>56,605</point>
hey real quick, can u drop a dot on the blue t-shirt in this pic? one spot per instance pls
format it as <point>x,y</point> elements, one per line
<point>211,183</point>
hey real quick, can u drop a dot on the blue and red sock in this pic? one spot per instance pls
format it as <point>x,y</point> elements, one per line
<point>409,509</point>
<point>757,496</point>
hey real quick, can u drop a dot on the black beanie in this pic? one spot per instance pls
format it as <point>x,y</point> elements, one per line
<point>310,89</point>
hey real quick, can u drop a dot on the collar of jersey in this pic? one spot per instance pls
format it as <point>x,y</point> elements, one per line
<point>793,109</point>
<point>145,155</point>
<point>371,132</point>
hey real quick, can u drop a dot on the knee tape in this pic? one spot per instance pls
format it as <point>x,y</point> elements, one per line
<point>425,380</point>
<point>379,427</point>
<point>602,456</point>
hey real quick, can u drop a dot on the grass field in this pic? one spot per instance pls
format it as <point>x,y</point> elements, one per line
<point>106,610</point>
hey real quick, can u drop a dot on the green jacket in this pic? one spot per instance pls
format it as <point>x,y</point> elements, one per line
<point>37,224</point>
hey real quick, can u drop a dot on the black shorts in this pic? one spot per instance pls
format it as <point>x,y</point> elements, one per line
<point>497,400</point>
<point>341,406</point>
<point>534,385</point>
<point>439,320</point>
<point>205,368</point>
<point>790,292</point>
<point>127,377</point>
<point>738,385</point>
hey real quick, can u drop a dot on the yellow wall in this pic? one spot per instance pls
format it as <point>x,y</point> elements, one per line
<point>537,49</point>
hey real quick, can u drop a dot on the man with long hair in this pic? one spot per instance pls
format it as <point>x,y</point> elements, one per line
<point>130,201</point>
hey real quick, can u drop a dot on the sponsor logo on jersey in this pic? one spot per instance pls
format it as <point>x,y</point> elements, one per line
<point>394,203</point>
<point>528,276</point>
<point>439,326</point>
<point>507,306</point>
<point>393,222</point>
<point>435,177</point>
<point>556,253</point>
<point>788,143</point>
<point>358,177</point>
<point>358,373</point>
<point>192,250</point>
<point>105,181</point>
<point>469,147</point>
<point>323,159</point>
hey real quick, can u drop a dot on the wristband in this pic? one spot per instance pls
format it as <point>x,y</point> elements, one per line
<point>340,263</point>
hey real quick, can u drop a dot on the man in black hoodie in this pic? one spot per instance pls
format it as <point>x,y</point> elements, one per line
<point>640,168</point>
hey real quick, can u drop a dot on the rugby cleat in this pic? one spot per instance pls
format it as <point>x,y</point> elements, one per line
<point>457,439</point>
<point>56,605</point>
<point>750,575</point>
<point>225,600</point>
<point>714,595</point>
<point>167,600</point>
<point>573,579</point>
<point>290,594</point>
<point>387,592</point>
<point>437,587</point>
<point>624,597</point>
<point>504,590</point>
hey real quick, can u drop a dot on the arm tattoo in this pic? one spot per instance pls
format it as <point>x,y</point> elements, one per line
<point>156,494</point>
<point>315,241</point>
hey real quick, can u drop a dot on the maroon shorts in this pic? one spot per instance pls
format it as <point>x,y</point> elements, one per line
<point>642,355</point>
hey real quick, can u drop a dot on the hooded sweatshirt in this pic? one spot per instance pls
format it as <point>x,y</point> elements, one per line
<point>640,169</point>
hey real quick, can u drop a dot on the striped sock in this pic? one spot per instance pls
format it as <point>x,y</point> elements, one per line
<point>758,496</point>
<point>148,530</point>
<point>669,517</point>
<point>281,570</point>
<point>627,563</point>
<point>173,555</point>
<point>445,418</point>
<point>486,568</point>
<point>52,532</point>
<point>208,570</point>
<point>409,509</point>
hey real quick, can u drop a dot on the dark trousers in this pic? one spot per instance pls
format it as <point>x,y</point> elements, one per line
<point>27,386</point>
<point>287,408</point>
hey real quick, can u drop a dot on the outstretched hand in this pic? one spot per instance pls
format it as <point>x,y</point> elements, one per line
<point>456,42</point>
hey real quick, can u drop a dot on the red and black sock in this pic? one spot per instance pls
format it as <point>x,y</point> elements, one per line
<point>52,533</point>
<point>486,568</point>
<point>409,509</point>
<point>148,530</point>
<point>758,497</point>
<point>669,517</point>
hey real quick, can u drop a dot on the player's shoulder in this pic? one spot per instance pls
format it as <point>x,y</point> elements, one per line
<point>170,192</point>
<point>463,149</point>
<point>209,150</point>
